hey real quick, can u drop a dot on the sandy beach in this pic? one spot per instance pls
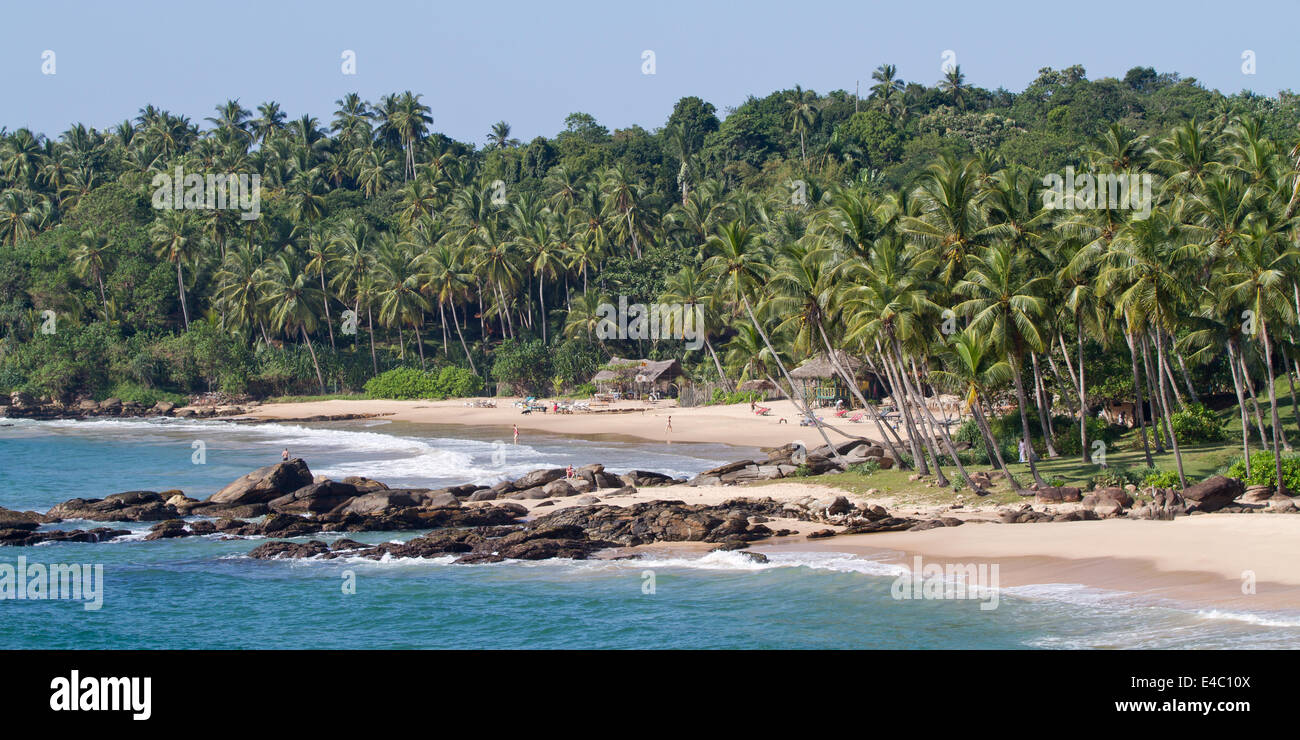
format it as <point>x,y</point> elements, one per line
<point>1199,559</point>
<point>734,424</point>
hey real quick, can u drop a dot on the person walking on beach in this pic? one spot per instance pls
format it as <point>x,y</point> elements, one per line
<point>668,432</point>
<point>516,433</point>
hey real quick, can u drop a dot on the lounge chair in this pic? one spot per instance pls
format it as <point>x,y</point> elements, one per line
<point>856,418</point>
<point>762,411</point>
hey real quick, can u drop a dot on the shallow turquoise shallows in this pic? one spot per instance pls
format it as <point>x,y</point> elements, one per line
<point>202,592</point>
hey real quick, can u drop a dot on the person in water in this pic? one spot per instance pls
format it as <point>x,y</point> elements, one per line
<point>285,455</point>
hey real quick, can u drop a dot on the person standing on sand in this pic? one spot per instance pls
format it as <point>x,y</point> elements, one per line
<point>516,433</point>
<point>668,432</point>
<point>569,472</point>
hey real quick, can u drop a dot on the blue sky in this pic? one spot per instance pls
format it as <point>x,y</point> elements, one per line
<point>531,64</point>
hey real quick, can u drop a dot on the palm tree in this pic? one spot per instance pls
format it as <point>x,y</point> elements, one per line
<point>954,84</point>
<point>1004,304</point>
<point>887,83</point>
<point>499,136</point>
<point>738,264</point>
<point>292,300</point>
<point>173,239</point>
<point>88,258</point>
<point>973,371</point>
<point>803,111</point>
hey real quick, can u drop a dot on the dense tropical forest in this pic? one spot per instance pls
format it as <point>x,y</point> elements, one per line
<point>905,225</point>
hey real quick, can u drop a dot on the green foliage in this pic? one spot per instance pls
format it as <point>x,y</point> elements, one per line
<point>722,397</point>
<point>1263,470</point>
<point>1154,477</point>
<point>1196,423</point>
<point>409,383</point>
<point>864,468</point>
<point>1115,476</point>
<point>524,364</point>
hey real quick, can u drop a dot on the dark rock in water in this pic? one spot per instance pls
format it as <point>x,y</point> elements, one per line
<point>344,544</point>
<point>316,498</point>
<point>373,503</point>
<point>29,520</point>
<point>277,550</point>
<point>168,529</point>
<point>130,506</point>
<point>247,511</point>
<point>26,538</point>
<point>1213,493</point>
<point>264,484</point>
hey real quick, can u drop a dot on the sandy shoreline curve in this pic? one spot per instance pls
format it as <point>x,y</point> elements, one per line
<point>1199,560</point>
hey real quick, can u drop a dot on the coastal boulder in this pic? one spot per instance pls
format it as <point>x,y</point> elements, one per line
<point>1112,494</point>
<point>560,488</point>
<point>1213,493</point>
<point>264,484</point>
<point>316,498</point>
<point>538,478</point>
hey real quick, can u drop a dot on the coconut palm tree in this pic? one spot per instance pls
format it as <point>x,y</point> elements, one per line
<point>88,258</point>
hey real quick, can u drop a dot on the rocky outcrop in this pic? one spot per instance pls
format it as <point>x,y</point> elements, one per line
<point>129,506</point>
<point>1213,493</point>
<point>264,484</point>
<point>317,498</point>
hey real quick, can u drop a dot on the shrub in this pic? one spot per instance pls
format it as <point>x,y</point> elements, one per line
<point>1154,477</point>
<point>1116,476</point>
<point>721,397</point>
<point>1196,423</point>
<point>864,468</point>
<point>1263,471</point>
<point>406,383</point>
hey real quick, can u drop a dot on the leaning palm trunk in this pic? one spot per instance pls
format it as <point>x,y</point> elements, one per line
<point>947,442</point>
<point>1187,378</point>
<point>370,322</point>
<point>1162,363</point>
<point>895,392</point>
<point>319,378</point>
<point>995,452</point>
<point>722,374</point>
<point>1021,401</point>
<point>1067,398</point>
<point>1083,394</point>
<point>1044,409</point>
<point>871,364</point>
<point>807,409</point>
<point>1139,414</point>
<point>1272,400</point>
<point>325,299</point>
<point>1254,399</point>
<point>857,393</point>
<point>461,335</point>
<point>1241,407</point>
<point>911,397</point>
<point>1160,432</point>
<point>1173,438</point>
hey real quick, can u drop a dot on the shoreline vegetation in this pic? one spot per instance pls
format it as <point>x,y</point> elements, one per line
<point>1100,277</point>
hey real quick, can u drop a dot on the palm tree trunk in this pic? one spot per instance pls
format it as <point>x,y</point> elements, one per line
<point>731,388</point>
<point>180,283</point>
<point>463,346</point>
<point>370,320</point>
<point>442,320</point>
<point>419,343</point>
<point>927,438</point>
<point>1254,399</point>
<point>995,452</point>
<point>1043,415</point>
<point>853,388</point>
<point>325,298</point>
<point>905,413</point>
<point>1139,415</point>
<point>1083,394</point>
<point>1187,378</point>
<point>1241,407</point>
<point>319,378</point>
<point>807,410</point>
<point>1021,401</point>
<point>1173,438</point>
<point>875,368</point>
<point>541,297</point>
<point>1067,398</point>
<point>1160,432</point>
<point>1272,399</point>
<point>1163,365</point>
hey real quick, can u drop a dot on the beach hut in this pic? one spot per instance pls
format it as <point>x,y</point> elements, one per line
<point>640,376</point>
<point>822,385</point>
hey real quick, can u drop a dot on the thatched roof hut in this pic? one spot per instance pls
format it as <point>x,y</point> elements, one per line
<point>657,374</point>
<point>823,385</point>
<point>822,367</point>
<point>757,385</point>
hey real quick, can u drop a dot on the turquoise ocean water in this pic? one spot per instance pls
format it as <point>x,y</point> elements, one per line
<point>201,592</point>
